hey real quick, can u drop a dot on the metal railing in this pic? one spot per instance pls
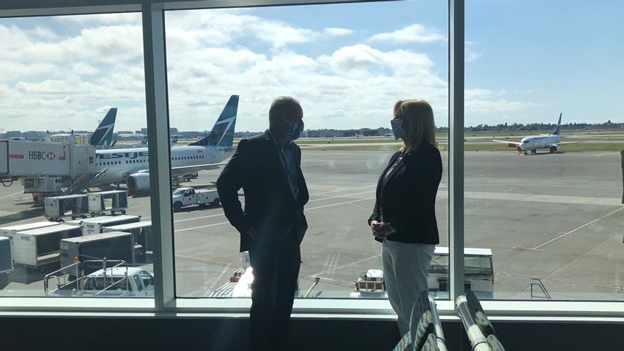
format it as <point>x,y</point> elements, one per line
<point>536,282</point>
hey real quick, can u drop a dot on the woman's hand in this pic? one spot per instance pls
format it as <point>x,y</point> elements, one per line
<point>381,229</point>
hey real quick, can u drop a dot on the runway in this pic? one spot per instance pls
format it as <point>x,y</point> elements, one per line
<point>554,217</point>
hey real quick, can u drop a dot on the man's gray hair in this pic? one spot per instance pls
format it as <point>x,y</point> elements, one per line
<point>282,107</point>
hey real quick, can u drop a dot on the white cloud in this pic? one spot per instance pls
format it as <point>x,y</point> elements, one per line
<point>211,55</point>
<point>338,32</point>
<point>106,19</point>
<point>470,54</point>
<point>414,33</point>
<point>81,68</point>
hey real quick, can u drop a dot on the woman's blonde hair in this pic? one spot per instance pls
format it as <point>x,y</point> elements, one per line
<point>419,123</point>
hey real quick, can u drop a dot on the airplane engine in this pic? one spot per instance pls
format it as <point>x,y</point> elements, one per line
<point>519,149</point>
<point>138,181</point>
<point>554,148</point>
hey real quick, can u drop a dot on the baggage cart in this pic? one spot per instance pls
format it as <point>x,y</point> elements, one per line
<point>109,246</point>
<point>94,225</point>
<point>59,206</point>
<point>6,262</point>
<point>142,235</point>
<point>113,201</point>
<point>39,248</point>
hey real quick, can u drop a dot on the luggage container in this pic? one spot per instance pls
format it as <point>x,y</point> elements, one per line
<point>11,230</point>
<point>108,201</point>
<point>94,225</point>
<point>58,206</point>
<point>142,234</point>
<point>111,245</point>
<point>38,248</point>
<point>6,263</point>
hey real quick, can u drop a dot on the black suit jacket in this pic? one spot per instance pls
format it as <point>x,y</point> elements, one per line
<point>270,206</point>
<point>406,198</point>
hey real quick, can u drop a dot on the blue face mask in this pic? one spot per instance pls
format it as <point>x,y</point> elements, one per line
<point>294,131</point>
<point>397,128</point>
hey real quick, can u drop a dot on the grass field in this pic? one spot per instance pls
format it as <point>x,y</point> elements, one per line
<point>585,141</point>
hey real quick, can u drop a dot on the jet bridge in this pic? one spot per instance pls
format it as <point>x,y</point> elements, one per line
<point>44,167</point>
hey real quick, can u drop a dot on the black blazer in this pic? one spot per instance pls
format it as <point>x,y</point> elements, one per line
<point>270,206</point>
<point>406,198</point>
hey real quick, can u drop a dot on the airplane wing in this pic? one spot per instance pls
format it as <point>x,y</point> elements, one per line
<point>509,143</point>
<point>182,170</point>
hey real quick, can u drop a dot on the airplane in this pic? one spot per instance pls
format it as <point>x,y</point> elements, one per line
<point>103,136</point>
<point>131,165</point>
<point>534,142</point>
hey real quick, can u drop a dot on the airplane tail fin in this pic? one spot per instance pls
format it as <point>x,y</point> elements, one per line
<point>103,135</point>
<point>556,132</point>
<point>222,134</point>
<point>174,139</point>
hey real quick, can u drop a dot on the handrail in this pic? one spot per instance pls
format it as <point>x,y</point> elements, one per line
<point>80,278</point>
<point>538,282</point>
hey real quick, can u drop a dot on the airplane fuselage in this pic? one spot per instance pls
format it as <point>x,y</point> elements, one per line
<point>121,163</point>
<point>539,142</point>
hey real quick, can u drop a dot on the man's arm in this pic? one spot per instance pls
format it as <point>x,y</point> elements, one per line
<point>230,182</point>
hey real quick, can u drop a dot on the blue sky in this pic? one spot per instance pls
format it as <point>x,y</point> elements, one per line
<point>526,61</point>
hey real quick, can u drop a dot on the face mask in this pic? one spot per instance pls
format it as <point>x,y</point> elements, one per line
<point>294,131</point>
<point>397,128</point>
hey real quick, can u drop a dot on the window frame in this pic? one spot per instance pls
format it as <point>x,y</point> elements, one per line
<point>165,301</point>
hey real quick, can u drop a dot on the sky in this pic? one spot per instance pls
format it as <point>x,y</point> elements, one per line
<point>526,62</point>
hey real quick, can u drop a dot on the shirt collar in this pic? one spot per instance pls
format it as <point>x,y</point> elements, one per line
<point>276,142</point>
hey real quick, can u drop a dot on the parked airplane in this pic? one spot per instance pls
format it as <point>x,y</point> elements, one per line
<point>534,142</point>
<point>131,165</point>
<point>102,138</point>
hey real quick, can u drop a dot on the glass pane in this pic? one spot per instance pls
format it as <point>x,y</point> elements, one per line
<point>73,96</point>
<point>347,65</point>
<point>543,138</point>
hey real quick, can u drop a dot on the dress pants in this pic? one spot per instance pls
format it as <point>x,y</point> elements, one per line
<point>405,267</point>
<point>275,270</point>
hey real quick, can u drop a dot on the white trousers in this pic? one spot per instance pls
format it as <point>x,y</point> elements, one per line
<point>405,268</point>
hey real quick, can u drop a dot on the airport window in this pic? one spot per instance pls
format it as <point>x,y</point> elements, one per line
<point>328,66</point>
<point>534,196</point>
<point>46,55</point>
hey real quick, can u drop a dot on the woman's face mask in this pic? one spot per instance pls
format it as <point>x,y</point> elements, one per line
<point>294,131</point>
<point>397,128</point>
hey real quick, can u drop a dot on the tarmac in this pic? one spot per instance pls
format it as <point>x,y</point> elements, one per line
<point>555,217</point>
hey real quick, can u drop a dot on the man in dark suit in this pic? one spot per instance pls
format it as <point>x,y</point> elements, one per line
<point>268,169</point>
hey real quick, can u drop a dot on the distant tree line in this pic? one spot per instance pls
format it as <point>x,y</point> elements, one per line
<point>515,127</point>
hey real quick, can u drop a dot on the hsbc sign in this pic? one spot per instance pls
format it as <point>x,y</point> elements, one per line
<point>41,155</point>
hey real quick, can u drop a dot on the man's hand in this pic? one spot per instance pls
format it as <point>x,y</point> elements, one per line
<point>252,233</point>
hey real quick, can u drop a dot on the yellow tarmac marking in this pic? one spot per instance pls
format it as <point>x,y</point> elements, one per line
<point>575,229</point>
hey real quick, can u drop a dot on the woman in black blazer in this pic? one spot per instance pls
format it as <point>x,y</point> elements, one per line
<point>403,219</point>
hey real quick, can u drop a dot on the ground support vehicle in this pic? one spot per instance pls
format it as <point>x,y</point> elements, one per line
<point>94,225</point>
<point>39,248</point>
<point>478,272</point>
<point>11,230</point>
<point>109,246</point>
<point>6,262</point>
<point>56,207</point>
<point>183,197</point>
<point>142,234</point>
<point>113,201</point>
<point>115,281</point>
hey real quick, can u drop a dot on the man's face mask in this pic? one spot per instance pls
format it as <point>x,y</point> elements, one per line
<point>397,128</point>
<point>294,131</point>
